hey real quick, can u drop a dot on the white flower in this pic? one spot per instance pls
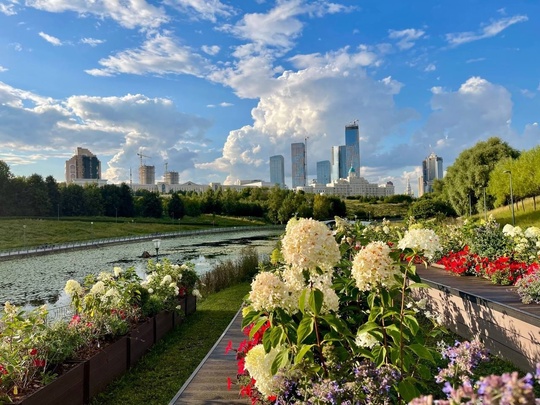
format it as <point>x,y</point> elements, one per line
<point>150,290</point>
<point>532,232</point>
<point>98,288</point>
<point>425,241</point>
<point>308,244</point>
<point>323,282</point>
<point>259,365</point>
<point>373,266</point>
<point>364,339</point>
<point>104,276</point>
<point>267,292</point>
<point>73,288</point>
<point>166,280</point>
<point>197,293</point>
<point>117,271</point>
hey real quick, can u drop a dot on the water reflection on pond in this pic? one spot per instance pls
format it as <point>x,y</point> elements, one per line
<point>37,280</point>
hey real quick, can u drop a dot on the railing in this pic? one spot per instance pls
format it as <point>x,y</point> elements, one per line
<point>59,314</point>
<point>12,253</point>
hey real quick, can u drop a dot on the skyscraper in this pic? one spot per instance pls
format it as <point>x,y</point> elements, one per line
<point>147,174</point>
<point>334,162</point>
<point>432,169</point>
<point>352,141</point>
<point>344,161</point>
<point>298,159</point>
<point>277,170</point>
<point>323,172</point>
<point>83,165</point>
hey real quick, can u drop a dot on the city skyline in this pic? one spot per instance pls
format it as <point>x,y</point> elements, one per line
<point>216,88</point>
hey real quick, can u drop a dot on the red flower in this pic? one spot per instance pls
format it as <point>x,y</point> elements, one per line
<point>39,363</point>
<point>272,398</point>
<point>33,352</point>
<point>3,370</point>
<point>229,383</point>
<point>229,347</point>
<point>75,319</point>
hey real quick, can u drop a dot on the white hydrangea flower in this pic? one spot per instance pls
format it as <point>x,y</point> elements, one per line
<point>323,282</point>
<point>267,292</point>
<point>373,266</point>
<point>166,280</point>
<point>117,271</point>
<point>197,293</point>
<point>105,276</point>
<point>150,290</point>
<point>259,364</point>
<point>532,232</point>
<point>308,244</point>
<point>366,340</point>
<point>73,288</point>
<point>421,240</point>
<point>98,288</point>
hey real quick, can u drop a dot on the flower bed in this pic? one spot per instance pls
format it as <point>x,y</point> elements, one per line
<point>336,321</point>
<point>117,319</point>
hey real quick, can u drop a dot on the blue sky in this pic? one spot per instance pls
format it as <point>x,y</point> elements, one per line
<point>214,88</point>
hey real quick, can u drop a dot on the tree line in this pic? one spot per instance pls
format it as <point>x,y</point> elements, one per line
<point>34,196</point>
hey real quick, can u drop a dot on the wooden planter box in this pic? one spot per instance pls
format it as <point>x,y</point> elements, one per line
<point>67,389</point>
<point>190,304</point>
<point>474,307</point>
<point>141,339</point>
<point>163,323</point>
<point>107,365</point>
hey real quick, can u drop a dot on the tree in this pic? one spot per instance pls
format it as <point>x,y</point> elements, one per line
<point>53,191</point>
<point>465,179</point>
<point>72,200</point>
<point>38,202</point>
<point>321,207</point>
<point>93,201</point>
<point>6,201</point>
<point>175,207</point>
<point>149,205</point>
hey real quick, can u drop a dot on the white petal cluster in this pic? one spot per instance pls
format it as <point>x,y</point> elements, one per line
<point>365,340</point>
<point>73,288</point>
<point>117,271</point>
<point>373,266</point>
<point>308,244</point>
<point>323,282</point>
<point>98,288</point>
<point>267,292</point>
<point>421,240</point>
<point>259,365</point>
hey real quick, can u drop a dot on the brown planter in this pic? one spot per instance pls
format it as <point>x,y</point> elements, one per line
<point>67,389</point>
<point>107,365</point>
<point>163,323</point>
<point>141,339</point>
<point>191,304</point>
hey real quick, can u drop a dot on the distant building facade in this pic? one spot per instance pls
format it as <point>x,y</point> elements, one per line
<point>172,178</point>
<point>83,166</point>
<point>352,142</point>
<point>147,174</point>
<point>432,169</point>
<point>324,172</point>
<point>277,170</point>
<point>298,159</point>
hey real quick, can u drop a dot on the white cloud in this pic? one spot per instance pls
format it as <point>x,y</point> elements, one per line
<point>474,60</point>
<point>50,39</point>
<point>159,54</point>
<point>210,50</point>
<point>129,14</point>
<point>430,68</point>
<point>224,104</point>
<point>528,93</point>
<point>406,37</point>
<point>3,69</point>
<point>109,126</point>
<point>487,31</point>
<point>8,8</point>
<point>206,10</point>
<point>92,41</point>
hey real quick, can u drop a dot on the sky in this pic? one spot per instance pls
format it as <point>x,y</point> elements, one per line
<point>211,89</point>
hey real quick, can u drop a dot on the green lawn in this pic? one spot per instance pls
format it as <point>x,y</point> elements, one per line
<point>25,232</point>
<point>159,375</point>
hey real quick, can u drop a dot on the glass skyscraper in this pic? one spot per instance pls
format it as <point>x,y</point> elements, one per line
<point>352,141</point>
<point>432,168</point>
<point>298,158</point>
<point>277,170</point>
<point>323,172</point>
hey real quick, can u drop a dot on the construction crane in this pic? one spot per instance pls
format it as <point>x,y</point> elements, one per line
<point>141,157</point>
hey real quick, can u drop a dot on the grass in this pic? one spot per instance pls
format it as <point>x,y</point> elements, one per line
<point>159,375</point>
<point>379,210</point>
<point>26,232</point>
<point>524,213</point>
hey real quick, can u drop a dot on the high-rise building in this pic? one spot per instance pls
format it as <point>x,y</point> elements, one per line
<point>352,141</point>
<point>323,172</point>
<point>147,174</point>
<point>432,169</point>
<point>277,170</point>
<point>83,165</point>
<point>298,159</point>
<point>172,177</point>
<point>344,161</point>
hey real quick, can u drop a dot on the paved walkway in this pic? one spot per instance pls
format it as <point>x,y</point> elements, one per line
<point>208,383</point>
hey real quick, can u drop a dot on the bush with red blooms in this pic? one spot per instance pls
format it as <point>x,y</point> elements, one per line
<point>462,262</point>
<point>246,383</point>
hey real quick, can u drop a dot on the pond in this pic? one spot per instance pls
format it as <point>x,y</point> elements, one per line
<point>33,281</point>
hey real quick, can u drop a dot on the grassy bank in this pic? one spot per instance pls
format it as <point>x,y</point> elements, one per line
<point>159,375</point>
<point>25,232</point>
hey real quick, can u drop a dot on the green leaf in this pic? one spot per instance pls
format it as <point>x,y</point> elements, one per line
<point>257,326</point>
<point>421,351</point>
<point>302,301</point>
<point>316,298</point>
<point>304,349</point>
<point>305,329</point>
<point>411,322</point>
<point>281,360</point>
<point>418,285</point>
<point>407,389</point>
<point>394,332</point>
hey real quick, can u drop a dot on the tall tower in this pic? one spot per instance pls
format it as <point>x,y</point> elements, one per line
<point>277,170</point>
<point>323,172</point>
<point>298,159</point>
<point>84,165</point>
<point>147,174</point>
<point>344,161</point>
<point>352,141</point>
<point>432,169</point>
